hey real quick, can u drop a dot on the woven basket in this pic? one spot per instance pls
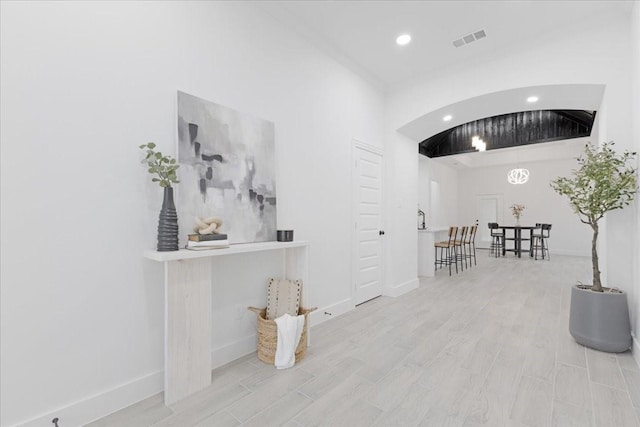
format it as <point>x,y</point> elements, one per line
<point>268,335</point>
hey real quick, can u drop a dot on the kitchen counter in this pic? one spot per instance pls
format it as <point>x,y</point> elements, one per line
<point>426,251</point>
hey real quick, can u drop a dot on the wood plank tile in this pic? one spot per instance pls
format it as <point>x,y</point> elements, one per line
<point>504,376</point>
<point>358,413</point>
<point>144,413</point>
<point>392,389</point>
<point>604,369</point>
<point>202,405</point>
<point>612,407</point>
<point>220,419</point>
<point>281,411</point>
<point>268,392</point>
<point>540,363</point>
<point>489,408</point>
<point>632,381</point>
<point>489,346</point>
<point>327,381</point>
<point>572,386</point>
<point>567,415</point>
<point>569,351</point>
<point>626,361</point>
<point>412,409</point>
<point>532,405</point>
<point>335,400</point>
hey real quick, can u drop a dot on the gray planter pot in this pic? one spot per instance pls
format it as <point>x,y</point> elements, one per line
<point>600,320</point>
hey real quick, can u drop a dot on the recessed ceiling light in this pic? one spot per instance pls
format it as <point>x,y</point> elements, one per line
<point>403,39</point>
<point>447,117</point>
<point>532,99</point>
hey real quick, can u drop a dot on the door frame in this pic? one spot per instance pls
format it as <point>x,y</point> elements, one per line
<point>360,145</point>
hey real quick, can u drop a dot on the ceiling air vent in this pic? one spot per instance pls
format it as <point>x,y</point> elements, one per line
<point>470,38</point>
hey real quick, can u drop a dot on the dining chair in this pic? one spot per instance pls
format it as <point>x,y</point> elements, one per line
<point>447,251</point>
<point>541,242</point>
<point>497,240</point>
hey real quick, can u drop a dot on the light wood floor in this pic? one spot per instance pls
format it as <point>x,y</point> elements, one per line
<point>489,346</point>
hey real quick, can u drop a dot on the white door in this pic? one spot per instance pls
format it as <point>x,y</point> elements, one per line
<point>367,215</point>
<point>488,209</point>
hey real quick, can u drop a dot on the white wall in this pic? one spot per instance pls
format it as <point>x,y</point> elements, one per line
<point>83,84</point>
<point>438,187</point>
<point>598,54</point>
<point>401,238</point>
<point>635,113</point>
<point>542,204</point>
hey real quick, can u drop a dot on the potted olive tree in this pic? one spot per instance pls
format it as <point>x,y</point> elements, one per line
<point>165,170</point>
<point>605,181</point>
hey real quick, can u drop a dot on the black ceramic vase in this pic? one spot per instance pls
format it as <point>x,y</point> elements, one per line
<point>168,223</point>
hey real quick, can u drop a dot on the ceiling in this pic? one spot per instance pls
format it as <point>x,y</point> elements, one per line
<point>361,35</point>
<point>510,130</point>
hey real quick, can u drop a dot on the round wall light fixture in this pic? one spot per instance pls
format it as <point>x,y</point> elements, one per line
<point>518,176</point>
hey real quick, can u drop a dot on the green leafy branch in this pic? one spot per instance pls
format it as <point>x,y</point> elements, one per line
<point>163,166</point>
<point>605,181</point>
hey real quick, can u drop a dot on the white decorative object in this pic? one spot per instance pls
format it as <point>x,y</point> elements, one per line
<point>207,225</point>
<point>283,296</point>
<point>518,176</point>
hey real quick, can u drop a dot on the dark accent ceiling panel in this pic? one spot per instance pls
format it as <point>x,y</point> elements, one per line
<point>510,130</point>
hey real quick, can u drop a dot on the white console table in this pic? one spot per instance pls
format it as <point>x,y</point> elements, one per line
<point>187,281</point>
<point>426,251</point>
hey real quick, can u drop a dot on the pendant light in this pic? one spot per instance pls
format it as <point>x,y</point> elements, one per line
<point>518,175</point>
<point>478,144</point>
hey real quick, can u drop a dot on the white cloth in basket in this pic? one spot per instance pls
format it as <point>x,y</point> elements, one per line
<point>289,333</point>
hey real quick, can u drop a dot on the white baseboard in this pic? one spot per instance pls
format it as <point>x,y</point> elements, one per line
<point>228,353</point>
<point>554,251</point>
<point>401,289</point>
<point>635,349</point>
<point>569,253</point>
<point>325,313</point>
<point>105,403</point>
<point>100,405</point>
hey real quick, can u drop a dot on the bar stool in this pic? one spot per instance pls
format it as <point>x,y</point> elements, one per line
<point>535,233</point>
<point>540,242</point>
<point>470,244</point>
<point>497,240</point>
<point>460,249</point>
<point>449,257</point>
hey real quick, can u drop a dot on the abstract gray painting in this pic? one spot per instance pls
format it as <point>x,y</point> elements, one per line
<point>227,170</point>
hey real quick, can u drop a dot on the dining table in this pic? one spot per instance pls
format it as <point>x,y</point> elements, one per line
<point>517,237</point>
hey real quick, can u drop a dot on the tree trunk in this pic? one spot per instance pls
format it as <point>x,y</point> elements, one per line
<point>597,286</point>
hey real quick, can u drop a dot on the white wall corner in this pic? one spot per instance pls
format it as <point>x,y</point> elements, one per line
<point>635,349</point>
<point>401,289</point>
<point>100,405</point>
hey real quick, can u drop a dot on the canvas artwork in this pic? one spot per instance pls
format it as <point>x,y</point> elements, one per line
<point>227,170</point>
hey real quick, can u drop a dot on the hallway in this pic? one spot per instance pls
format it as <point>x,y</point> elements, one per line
<point>489,346</point>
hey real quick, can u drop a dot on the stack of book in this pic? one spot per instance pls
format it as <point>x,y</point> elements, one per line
<point>198,242</point>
